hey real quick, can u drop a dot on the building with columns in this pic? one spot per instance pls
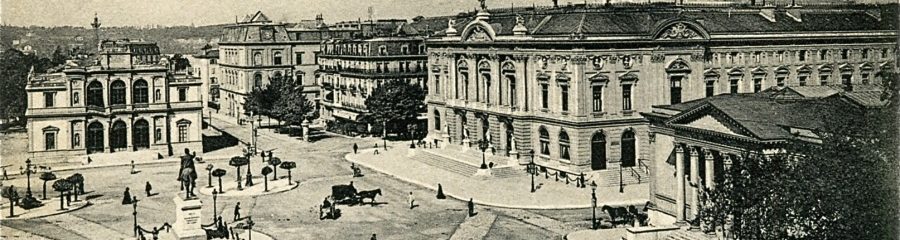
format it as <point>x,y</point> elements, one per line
<point>693,143</point>
<point>568,83</point>
<point>351,69</point>
<point>126,99</point>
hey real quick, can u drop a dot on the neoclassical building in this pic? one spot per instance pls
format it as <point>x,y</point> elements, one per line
<point>127,99</point>
<point>569,82</point>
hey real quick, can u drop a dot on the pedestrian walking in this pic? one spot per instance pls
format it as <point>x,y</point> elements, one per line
<point>126,198</point>
<point>132,167</point>
<point>237,211</point>
<point>471,207</point>
<point>355,147</point>
<point>148,188</point>
<point>5,176</point>
<point>412,201</point>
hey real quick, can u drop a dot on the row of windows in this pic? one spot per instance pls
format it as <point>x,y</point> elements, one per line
<point>803,55</point>
<point>118,133</point>
<point>363,49</point>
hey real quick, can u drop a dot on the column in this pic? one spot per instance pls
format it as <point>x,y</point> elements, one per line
<point>695,180</point>
<point>679,179</point>
<point>710,171</point>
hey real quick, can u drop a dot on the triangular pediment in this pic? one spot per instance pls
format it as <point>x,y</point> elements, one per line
<point>710,123</point>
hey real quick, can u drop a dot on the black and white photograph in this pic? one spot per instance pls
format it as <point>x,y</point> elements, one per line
<point>450,119</point>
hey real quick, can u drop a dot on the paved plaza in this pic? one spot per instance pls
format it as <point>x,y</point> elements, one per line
<point>292,212</point>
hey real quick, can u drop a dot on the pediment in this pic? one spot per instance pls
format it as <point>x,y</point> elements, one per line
<point>680,30</point>
<point>710,123</point>
<point>478,31</point>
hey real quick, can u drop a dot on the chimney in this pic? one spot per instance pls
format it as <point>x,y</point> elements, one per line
<point>320,21</point>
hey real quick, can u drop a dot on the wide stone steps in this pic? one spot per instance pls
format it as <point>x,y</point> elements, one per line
<point>507,172</point>
<point>446,164</point>
<point>610,177</point>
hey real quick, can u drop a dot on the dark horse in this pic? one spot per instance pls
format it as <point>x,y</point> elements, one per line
<point>368,194</point>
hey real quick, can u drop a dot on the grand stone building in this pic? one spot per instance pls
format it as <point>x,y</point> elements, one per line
<point>569,82</point>
<point>127,99</point>
<point>351,69</point>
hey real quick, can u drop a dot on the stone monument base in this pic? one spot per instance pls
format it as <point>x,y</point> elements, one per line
<point>187,219</point>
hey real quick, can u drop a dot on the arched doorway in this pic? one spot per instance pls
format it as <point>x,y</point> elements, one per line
<point>118,136</point>
<point>94,136</point>
<point>628,156</point>
<point>598,151</point>
<point>141,134</point>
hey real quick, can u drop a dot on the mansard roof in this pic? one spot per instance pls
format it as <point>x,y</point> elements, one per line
<point>255,28</point>
<point>685,22</point>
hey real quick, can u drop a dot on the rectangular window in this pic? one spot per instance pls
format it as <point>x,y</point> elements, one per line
<point>626,97</point>
<point>864,77</point>
<point>182,94</point>
<point>710,88</point>
<point>845,54</point>
<point>564,97</point>
<point>884,53</point>
<point>76,98</point>
<point>315,58</point>
<point>823,80</point>
<point>675,89</point>
<point>50,140</point>
<point>846,79</point>
<point>544,96</point>
<point>298,58</point>
<point>780,81</point>
<point>48,99</point>
<point>733,85</point>
<point>597,92</point>
<point>182,133</point>
<point>564,151</point>
<point>512,91</point>
<point>865,54</point>
<point>823,54</point>
<point>437,84</point>
<point>802,80</point>
<point>802,55</point>
<point>757,84</point>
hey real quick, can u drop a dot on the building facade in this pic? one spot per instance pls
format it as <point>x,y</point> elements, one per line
<point>205,65</point>
<point>127,99</point>
<point>351,69</point>
<point>568,83</point>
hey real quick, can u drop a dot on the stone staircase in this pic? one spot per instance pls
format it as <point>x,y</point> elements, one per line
<point>610,177</point>
<point>446,164</point>
<point>689,235</point>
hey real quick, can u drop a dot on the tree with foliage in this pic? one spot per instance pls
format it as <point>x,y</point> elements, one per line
<point>395,102</point>
<point>844,188</point>
<point>292,107</point>
<point>77,181</point>
<point>14,69</point>
<point>261,99</point>
<point>274,161</point>
<point>219,173</point>
<point>62,186</point>
<point>47,176</point>
<point>288,165</point>
<point>13,196</point>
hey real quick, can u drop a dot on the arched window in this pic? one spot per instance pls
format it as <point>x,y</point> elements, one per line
<point>95,94</point>
<point>437,120</point>
<point>257,80</point>
<point>257,58</point>
<point>462,74</point>
<point>276,58</point>
<point>117,93</point>
<point>140,91</point>
<point>628,151</point>
<point>563,145</point>
<point>544,138</point>
<point>509,72</point>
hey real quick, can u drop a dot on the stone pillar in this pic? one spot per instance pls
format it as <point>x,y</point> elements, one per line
<point>710,171</point>
<point>187,219</point>
<point>679,179</point>
<point>695,180</point>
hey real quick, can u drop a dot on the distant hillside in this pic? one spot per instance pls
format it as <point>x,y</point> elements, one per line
<point>178,39</point>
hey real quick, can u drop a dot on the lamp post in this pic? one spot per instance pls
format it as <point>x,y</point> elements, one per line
<point>532,168</point>
<point>134,213</point>
<point>483,145</point>
<point>593,205</point>
<point>215,209</point>
<point>28,175</point>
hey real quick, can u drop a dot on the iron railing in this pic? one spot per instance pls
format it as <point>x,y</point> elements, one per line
<point>558,174</point>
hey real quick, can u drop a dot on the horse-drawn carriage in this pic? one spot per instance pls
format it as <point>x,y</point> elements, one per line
<point>347,194</point>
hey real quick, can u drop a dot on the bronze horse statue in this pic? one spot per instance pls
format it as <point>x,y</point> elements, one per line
<point>368,194</point>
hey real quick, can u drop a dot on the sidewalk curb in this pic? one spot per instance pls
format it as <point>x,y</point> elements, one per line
<point>147,163</point>
<point>479,202</point>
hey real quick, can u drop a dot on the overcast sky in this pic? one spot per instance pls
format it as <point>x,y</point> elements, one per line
<point>208,12</point>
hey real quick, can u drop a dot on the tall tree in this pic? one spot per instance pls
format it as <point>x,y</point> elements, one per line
<point>14,69</point>
<point>292,105</point>
<point>395,102</point>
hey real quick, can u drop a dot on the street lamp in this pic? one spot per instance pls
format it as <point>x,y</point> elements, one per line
<point>593,205</point>
<point>532,168</point>
<point>134,206</point>
<point>483,145</point>
<point>28,175</point>
<point>215,209</point>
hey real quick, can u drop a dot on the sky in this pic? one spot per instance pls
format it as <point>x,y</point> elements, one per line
<point>209,12</point>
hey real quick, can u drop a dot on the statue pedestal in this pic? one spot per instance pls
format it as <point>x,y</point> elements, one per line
<point>513,156</point>
<point>187,219</point>
<point>466,145</point>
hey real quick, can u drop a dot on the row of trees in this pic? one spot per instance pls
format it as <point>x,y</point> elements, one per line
<point>396,105</point>
<point>845,188</point>
<point>282,99</point>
